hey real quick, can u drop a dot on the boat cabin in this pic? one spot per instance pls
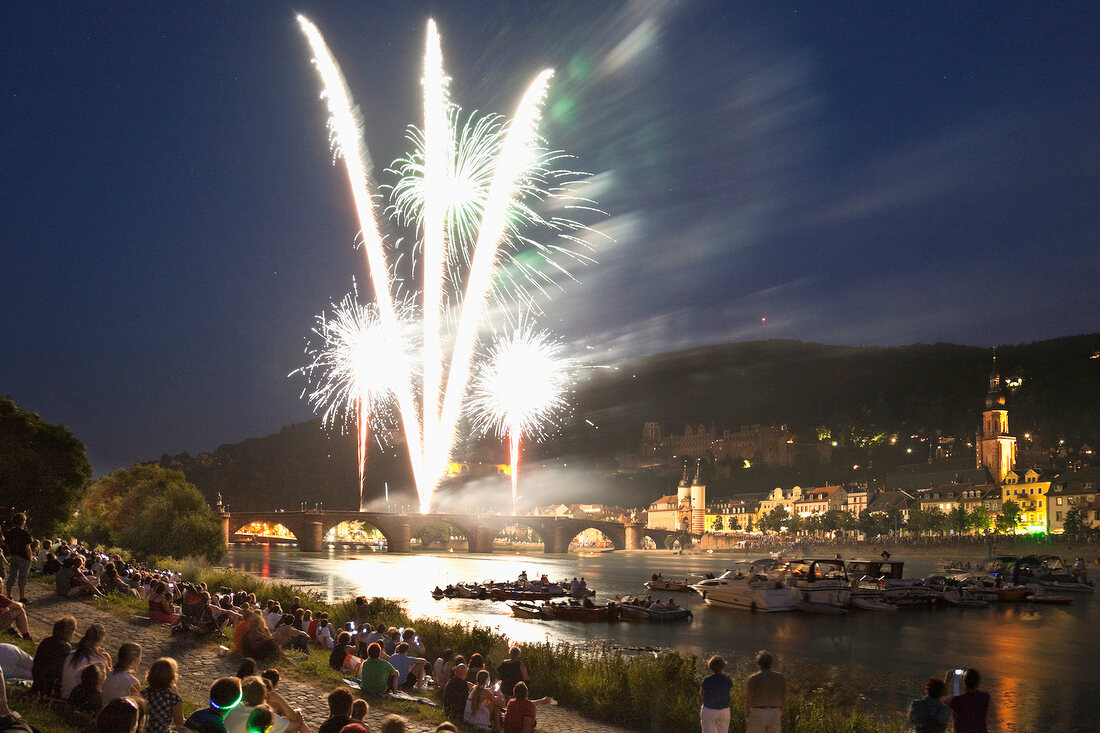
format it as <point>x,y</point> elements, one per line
<point>877,569</point>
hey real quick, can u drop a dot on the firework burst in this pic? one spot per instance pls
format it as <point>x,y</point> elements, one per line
<point>520,389</point>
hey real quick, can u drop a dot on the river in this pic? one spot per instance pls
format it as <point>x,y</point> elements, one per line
<point>1036,661</point>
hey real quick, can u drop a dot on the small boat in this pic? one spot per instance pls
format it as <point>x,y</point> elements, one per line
<point>633,609</point>
<point>1013,594</point>
<point>676,585</point>
<point>1066,585</point>
<point>438,594</point>
<point>962,599</point>
<point>872,604</point>
<point>523,609</point>
<point>570,611</point>
<point>1055,600</point>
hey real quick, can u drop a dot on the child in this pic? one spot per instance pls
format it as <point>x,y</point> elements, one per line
<point>165,704</point>
<point>122,682</point>
<point>86,698</point>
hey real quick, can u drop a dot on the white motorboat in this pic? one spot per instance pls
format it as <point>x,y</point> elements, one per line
<point>752,592</point>
<point>818,581</point>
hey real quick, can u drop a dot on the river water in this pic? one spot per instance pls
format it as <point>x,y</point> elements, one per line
<point>1036,661</point>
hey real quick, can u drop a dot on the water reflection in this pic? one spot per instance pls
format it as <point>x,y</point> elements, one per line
<point>1037,660</point>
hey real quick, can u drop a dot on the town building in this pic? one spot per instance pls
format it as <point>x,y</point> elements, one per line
<point>736,515</point>
<point>820,501</point>
<point>1029,490</point>
<point>1076,490</point>
<point>686,510</point>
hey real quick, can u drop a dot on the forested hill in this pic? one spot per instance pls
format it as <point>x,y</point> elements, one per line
<point>853,391</point>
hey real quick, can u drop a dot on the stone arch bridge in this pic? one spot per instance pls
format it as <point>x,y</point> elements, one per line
<point>310,528</point>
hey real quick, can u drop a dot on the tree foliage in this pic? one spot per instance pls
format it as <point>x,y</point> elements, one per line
<point>1075,521</point>
<point>1010,516</point>
<point>150,511</point>
<point>718,525</point>
<point>44,470</point>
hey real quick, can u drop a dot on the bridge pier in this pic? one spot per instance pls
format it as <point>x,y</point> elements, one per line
<point>311,538</point>
<point>635,533</point>
<point>482,540</point>
<point>398,535</point>
<point>225,528</point>
<point>558,540</point>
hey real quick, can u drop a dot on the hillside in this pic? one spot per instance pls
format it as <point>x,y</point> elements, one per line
<point>853,392</point>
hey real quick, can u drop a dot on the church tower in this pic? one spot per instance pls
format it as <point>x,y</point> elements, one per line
<point>996,448</point>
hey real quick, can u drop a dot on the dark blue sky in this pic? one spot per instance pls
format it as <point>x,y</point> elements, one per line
<point>860,173</point>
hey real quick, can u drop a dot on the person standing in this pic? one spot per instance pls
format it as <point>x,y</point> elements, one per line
<point>969,710</point>
<point>765,696</point>
<point>930,714</point>
<point>17,543</point>
<point>714,715</point>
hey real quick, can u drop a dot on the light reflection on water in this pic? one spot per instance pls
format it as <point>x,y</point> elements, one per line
<point>1037,661</point>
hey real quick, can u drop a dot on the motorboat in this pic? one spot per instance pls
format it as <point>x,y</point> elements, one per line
<point>873,575</point>
<point>634,609</point>
<point>660,583</point>
<point>817,580</point>
<point>752,591</point>
<point>587,611</point>
<point>526,609</point>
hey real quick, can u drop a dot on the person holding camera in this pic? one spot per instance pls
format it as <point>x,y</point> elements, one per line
<point>970,709</point>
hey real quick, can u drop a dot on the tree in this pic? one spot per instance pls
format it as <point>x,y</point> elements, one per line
<point>152,512</point>
<point>958,519</point>
<point>718,526</point>
<point>980,519</point>
<point>918,521</point>
<point>1010,516</point>
<point>937,520</point>
<point>44,470</point>
<point>1075,521</point>
<point>813,523</point>
<point>775,519</point>
<point>795,523</point>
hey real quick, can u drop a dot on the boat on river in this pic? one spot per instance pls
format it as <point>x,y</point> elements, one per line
<point>819,581</point>
<point>872,604</point>
<point>635,609</point>
<point>587,611</point>
<point>676,585</point>
<point>526,609</point>
<point>749,589</point>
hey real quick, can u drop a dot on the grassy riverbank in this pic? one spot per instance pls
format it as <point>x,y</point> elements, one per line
<point>644,692</point>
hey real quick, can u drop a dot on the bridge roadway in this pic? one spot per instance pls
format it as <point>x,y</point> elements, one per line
<point>311,526</point>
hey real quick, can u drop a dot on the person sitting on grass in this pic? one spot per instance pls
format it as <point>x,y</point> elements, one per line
<point>254,694</point>
<point>225,694</point>
<point>409,669</point>
<point>49,658</point>
<point>359,710</point>
<point>15,662</point>
<point>274,698</point>
<point>377,676</point>
<point>393,723</point>
<point>340,703</point>
<point>86,699</point>
<point>455,693</point>
<point>122,682</point>
<point>483,704</point>
<point>161,609</point>
<point>124,715</point>
<point>341,651</point>
<point>288,637</point>
<point>161,696</point>
<point>519,716</point>
<point>323,635</point>
<point>13,617</point>
<point>930,714</point>
<point>257,641</point>
<point>89,650</point>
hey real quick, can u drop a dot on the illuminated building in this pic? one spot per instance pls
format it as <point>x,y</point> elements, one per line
<point>686,510</point>
<point>1030,492</point>
<point>1078,490</point>
<point>996,448</point>
<point>767,445</point>
<point>820,501</point>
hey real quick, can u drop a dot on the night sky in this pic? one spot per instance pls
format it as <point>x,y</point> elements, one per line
<point>859,173</point>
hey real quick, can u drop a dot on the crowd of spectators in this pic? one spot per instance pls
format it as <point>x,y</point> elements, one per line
<point>98,692</point>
